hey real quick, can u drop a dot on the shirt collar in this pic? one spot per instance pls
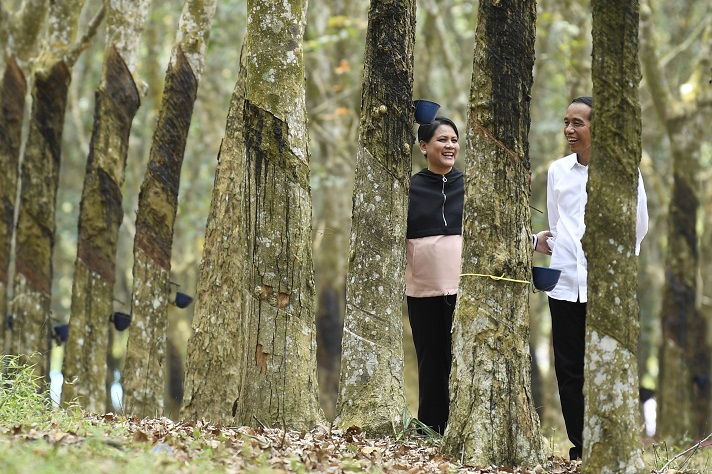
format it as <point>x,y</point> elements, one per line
<point>572,162</point>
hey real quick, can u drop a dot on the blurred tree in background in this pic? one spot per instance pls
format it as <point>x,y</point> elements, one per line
<point>117,99</point>
<point>684,358</point>
<point>21,30</point>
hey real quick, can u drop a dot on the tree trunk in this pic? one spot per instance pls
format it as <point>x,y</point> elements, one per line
<point>12,108</point>
<point>272,371</point>
<point>38,194</point>
<point>280,380</point>
<point>213,372</point>
<point>101,213</point>
<point>705,308</point>
<point>144,375</point>
<point>35,224</point>
<point>19,32</point>
<point>331,174</point>
<point>492,415</point>
<point>371,392</point>
<point>683,389</point>
<point>612,441</point>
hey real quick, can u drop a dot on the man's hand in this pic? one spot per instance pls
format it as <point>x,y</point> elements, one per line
<point>542,246</point>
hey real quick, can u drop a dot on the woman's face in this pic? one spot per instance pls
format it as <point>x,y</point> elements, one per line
<point>577,130</point>
<point>441,150</point>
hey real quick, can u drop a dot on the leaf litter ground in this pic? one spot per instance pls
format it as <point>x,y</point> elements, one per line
<point>244,449</point>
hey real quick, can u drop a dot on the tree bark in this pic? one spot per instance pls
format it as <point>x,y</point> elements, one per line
<point>101,213</point>
<point>275,332</point>
<point>492,415</point>
<point>683,395</point>
<point>371,393</point>
<point>34,233</point>
<point>19,32</point>
<point>35,224</point>
<point>12,107</point>
<point>144,375</point>
<point>214,360</point>
<point>611,434</point>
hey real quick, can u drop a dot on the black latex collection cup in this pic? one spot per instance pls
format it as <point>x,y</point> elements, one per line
<point>425,111</point>
<point>545,278</point>
<point>121,320</point>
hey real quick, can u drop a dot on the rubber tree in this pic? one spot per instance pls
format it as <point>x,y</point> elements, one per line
<point>683,391</point>
<point>116,101</point>
<point>252,354</point>
<point>144,374</point>
<point>492,415</point>
<point>611,435</point>
<point>371,392</point>
<point>19,34</point>
<point>35,228</point>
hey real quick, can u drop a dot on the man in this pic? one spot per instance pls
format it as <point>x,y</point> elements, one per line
<point>566,203</point>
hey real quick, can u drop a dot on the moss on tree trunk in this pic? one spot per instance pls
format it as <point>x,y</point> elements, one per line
<point>371,392</point>
<point>492,415</point>
<point>100,216</point>
<point>12,108</point>
<point>611,434</point>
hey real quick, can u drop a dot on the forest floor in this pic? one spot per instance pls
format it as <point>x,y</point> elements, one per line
<point>37,437</point>
<point>116,444</point>
<point>70,441</point>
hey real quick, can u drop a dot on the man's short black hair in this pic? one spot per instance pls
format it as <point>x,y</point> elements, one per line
<point>586,100</point>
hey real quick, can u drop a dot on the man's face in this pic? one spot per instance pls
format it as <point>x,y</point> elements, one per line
<point>577,128</point>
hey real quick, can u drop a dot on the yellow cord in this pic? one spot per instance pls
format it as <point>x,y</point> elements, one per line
<point>494,277</point>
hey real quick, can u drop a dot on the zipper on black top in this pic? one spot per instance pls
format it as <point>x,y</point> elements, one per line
<point>444,199</point>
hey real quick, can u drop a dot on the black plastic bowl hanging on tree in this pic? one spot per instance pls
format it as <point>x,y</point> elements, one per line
<point>183,300</point>
<point>545,278</point>
<point>121,320</point>
<point>61,333</point>
<point>425,111</point>
<point>179,299</point>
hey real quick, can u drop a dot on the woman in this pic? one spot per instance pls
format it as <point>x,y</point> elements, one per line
<point>434,249</point>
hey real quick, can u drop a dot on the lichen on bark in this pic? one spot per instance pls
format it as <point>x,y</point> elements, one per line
<point>371,392</point>
<point>492,416</point>
<point>100,216</point>
<point>611,440</point>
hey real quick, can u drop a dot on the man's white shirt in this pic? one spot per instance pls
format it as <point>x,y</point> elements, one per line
<point>566,203</point>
